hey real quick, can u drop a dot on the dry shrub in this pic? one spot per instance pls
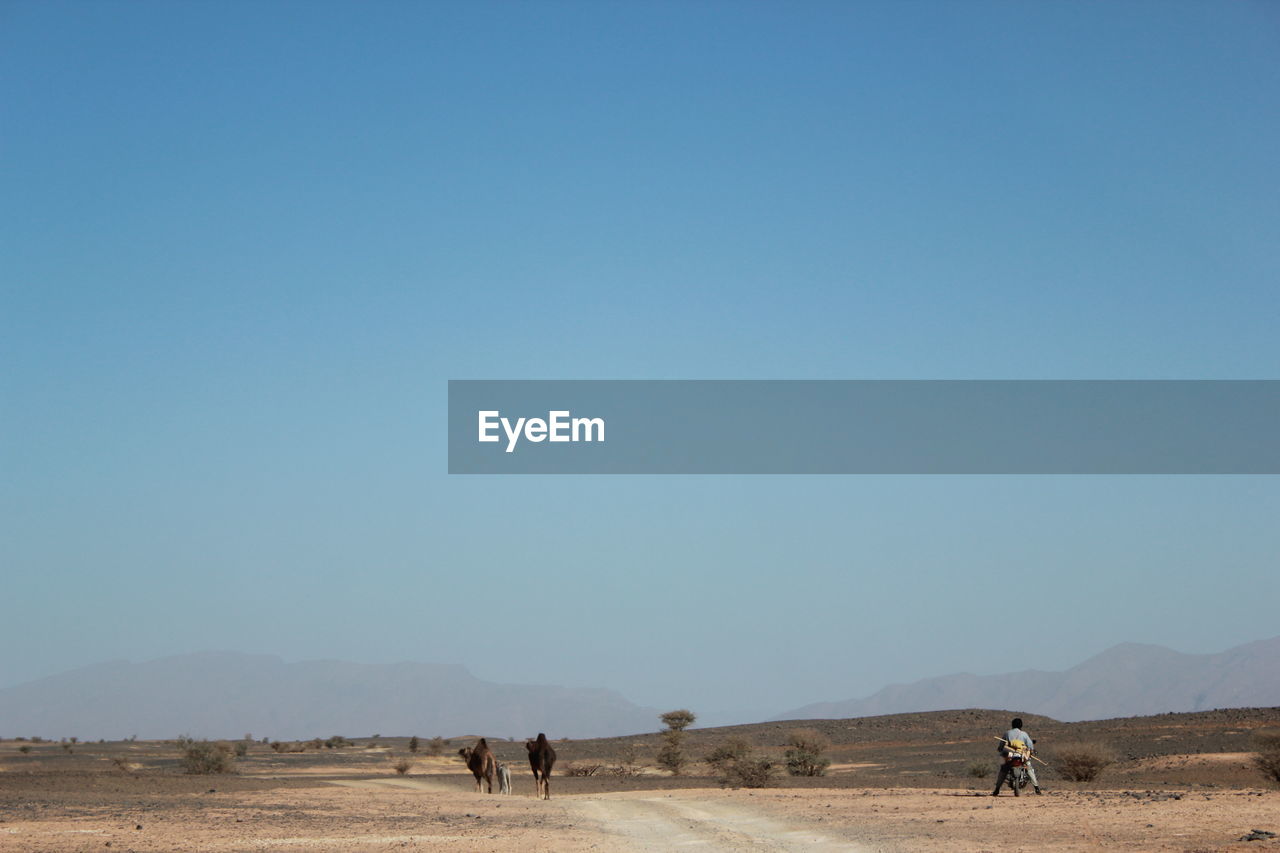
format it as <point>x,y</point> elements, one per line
<point>804,753</point>
<point>624,770</point>
<point>733,749</point>
<point>979,769</point>
<point>1267,756</point>
<point>402,766</point>
<point>202,756</point>
<point>279,746</point>
<point>750,772</point>
<point>630,754</point>
<point>1081,762</point>
<point>570,769</point>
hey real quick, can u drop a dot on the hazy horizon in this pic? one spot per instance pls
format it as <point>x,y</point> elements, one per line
<point>248,245</point>
<point>707,716</point>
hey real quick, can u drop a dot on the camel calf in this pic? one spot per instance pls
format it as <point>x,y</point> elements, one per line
<point>541,759</point>
<point>480,762</point>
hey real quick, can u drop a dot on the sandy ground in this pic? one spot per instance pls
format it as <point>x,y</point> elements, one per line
<point>900,784</point>
<point>440,813</point>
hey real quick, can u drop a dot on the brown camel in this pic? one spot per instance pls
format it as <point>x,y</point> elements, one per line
<point>541,758</point>
<point>480,762</point>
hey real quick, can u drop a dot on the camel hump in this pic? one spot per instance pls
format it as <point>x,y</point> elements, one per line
<point>482,742</point>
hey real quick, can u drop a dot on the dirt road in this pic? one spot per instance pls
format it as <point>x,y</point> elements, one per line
<point>160,814</point>
<point>677,821</point>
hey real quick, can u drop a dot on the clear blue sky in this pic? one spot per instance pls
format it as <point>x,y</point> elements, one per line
<point>246,244</point>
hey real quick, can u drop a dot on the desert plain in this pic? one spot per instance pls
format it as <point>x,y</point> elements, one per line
<point>906,782</point>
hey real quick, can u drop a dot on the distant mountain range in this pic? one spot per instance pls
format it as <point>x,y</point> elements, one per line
<point>227,695</point>
<point>1125,681</point>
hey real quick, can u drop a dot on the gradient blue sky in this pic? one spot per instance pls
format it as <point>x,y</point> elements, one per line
<point>246,244</point>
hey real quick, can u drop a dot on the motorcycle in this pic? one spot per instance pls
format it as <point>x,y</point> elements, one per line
<point>1017,757</point>
<point>1018,778</point>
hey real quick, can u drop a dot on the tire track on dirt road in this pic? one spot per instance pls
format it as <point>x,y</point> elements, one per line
<point>673,822</point>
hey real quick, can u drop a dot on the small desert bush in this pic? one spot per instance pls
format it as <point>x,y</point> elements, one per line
<point>202,756</point>
<point>241,748</point>
<point>750,772</point>
<point>624,771</point>
<point>24,749</point>
<point>1267,756</point>
<point>336,741</point>
<point>979,769</point>
<point>804,753</point>
<point>414,744</point>
<point>436,746</point>
<point>288,746</point>
<point>630,754</point>
<point>402,766</point>
<point>1081,762</point>
<point>570,769</point>
<point>731,750</point>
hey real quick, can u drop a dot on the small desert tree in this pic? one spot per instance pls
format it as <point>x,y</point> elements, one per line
<point>678,721</point>
<point>436,746</point>
<point>671,756</point>
<point>804,753</point>
<point>413,744</point>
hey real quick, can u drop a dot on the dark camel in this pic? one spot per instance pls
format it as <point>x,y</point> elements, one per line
<point>541,759</point>
<point>480,762</point>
